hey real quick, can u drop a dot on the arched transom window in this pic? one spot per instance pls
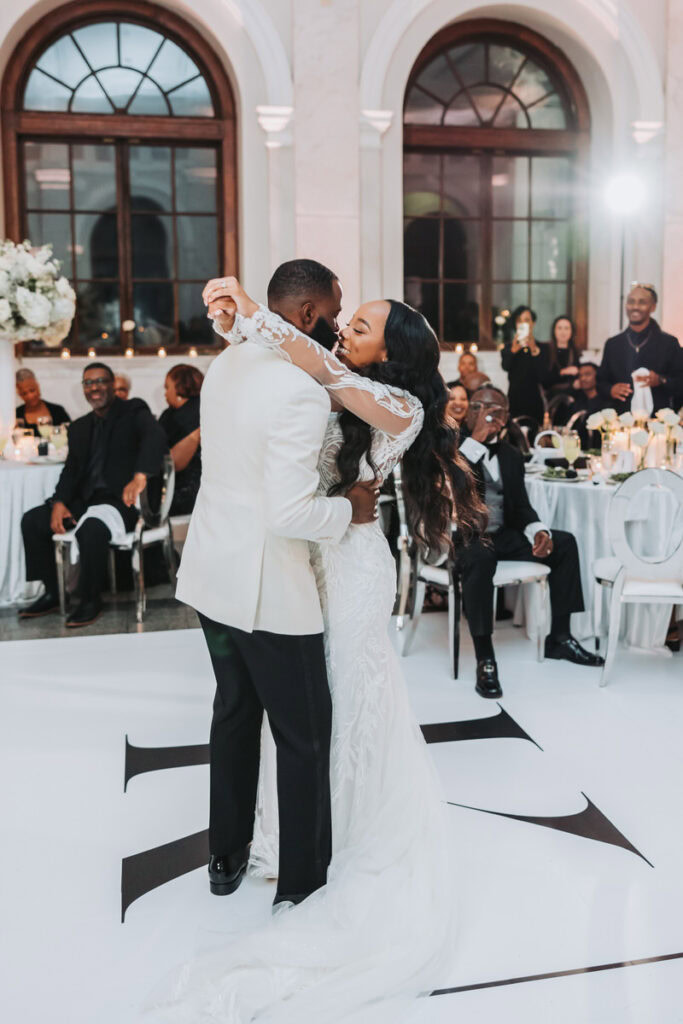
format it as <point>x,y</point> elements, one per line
<point>495,137</point>
<point>122,128</point>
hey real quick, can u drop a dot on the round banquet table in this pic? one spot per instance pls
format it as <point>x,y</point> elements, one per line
<point>22,486</point>
<point>583,509</point>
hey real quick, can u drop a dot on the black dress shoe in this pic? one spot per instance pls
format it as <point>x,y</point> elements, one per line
<point>84,613</point>
<point>45,604</point>
<point>571,650</point>
<point>487,679</point>
<point>227,872</point>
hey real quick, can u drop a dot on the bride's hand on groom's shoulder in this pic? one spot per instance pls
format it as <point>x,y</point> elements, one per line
<point>221,290</point>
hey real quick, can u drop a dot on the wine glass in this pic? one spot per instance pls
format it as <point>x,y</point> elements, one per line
<point>59,436</point>
<point>571,443</point>
<point>44,424</point>
<point>17,431</point>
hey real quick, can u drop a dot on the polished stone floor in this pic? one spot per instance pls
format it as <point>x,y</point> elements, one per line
<point>566,830</point>
<point>163,612</point>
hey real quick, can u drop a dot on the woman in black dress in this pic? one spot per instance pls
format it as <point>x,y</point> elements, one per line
<point>526,363</point>
<point>34,407</point>
<point>181,425</point>
<point>563,357</point>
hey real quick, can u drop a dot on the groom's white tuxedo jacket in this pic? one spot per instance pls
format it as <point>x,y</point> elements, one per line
<point>246,558</point>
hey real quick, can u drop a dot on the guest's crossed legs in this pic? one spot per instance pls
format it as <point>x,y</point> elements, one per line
<point>477,565</point>
<point>286,675</point>
<point>93,543</point>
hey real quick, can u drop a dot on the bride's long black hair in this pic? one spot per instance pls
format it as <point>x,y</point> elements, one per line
<point>436,478</point>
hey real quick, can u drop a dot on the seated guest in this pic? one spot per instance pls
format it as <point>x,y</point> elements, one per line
<point>642,346</point>
<point>180,423</point>
<point>473,381</point>
<point>526,363</point>
<point>34,406</point>
<point>563,357</point>
<point>514,533</point>
<point>584,398</point>
<point>467,364</point>
<point>112,452</point>
<point>122,386</point>
<point>457,404</point>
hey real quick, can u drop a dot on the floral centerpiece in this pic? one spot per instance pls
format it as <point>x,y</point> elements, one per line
<point>36,304</point>
<point>652,441</point>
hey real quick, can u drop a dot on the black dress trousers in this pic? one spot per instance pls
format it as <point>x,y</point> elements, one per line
<point>476,565</point>
<point>286,676</point>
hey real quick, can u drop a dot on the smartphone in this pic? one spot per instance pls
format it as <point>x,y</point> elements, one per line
<point>523,334</point>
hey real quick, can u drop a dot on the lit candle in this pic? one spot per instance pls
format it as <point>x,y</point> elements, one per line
<point>458,349</point>
<point>620,441</point>
<point>129,353</point>
<point>193,353</point>
<point>91,353</point>
<point>66,353</point>
<point>161,353</point>
<point>474,348</point>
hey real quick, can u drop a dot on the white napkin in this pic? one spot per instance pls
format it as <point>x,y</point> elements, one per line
<point>110,516</point>
<point>642,400</point>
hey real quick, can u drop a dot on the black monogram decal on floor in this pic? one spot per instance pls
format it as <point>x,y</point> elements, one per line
<point>142,872</point>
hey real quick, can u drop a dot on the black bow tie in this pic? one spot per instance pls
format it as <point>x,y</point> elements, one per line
<point>492,447</point>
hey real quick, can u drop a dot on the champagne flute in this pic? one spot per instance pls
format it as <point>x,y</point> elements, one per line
<point>59,436</point>
<point>44,424</point>
<point>571,443</point>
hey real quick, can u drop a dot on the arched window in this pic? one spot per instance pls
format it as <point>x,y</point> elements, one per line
<point>496,128</point>
<point>119,141</point>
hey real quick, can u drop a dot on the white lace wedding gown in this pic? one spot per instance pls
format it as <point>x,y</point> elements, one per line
<point>381,932</point>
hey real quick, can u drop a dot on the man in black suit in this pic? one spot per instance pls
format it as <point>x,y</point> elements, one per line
<point>112,452</point>
<point>515,533</point>
<point>643,345</point>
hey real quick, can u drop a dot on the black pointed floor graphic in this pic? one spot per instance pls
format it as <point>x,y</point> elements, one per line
<point>590,823</point>
<point>500,726</point>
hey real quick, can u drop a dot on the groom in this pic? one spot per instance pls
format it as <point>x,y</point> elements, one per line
<point>246,570</point>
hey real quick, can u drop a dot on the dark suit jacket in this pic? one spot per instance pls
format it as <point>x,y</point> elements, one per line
<point>661,353</point>
<point>517,509</point>
<point>134,443</point>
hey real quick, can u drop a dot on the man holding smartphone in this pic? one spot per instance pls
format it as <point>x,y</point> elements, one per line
<point>112,452</point>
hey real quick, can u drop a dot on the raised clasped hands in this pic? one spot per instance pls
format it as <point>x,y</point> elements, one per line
<point>225,296</point>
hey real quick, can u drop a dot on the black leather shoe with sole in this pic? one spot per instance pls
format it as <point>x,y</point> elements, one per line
<point>226,872</point>
<point>487,679</point>
<point>43,606</point>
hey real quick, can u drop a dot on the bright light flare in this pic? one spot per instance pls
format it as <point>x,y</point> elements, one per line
<point>625,194</point>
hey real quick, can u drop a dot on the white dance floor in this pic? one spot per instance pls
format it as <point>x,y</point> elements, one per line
<point>556,906</point>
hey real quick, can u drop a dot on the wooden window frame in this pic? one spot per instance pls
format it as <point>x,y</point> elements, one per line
<point>573,142</point>
<point>19,124</point>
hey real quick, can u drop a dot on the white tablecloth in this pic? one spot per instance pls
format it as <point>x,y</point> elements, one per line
<point>21,487</point>
<point>582,509</point>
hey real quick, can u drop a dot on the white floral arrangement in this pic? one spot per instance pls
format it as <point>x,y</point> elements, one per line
<point>36,302</point>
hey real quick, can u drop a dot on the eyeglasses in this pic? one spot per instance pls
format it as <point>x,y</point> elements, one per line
<point>478,406</point>
<point>95,382</point>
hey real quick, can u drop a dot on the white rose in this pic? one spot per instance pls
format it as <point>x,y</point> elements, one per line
<point>609,415</point>
<point>626,419</point>
<point>656,427</point>
<point>677,433</point>
<point>62,309</point>
<point>34,308</point>
<point>56,333</point>
<point>639,437</point>
<point>668,416</point>
<point>5,310</point>
<point>595,421</point>
<point>5,283</point>
<point>64,289</point>
<point>640,415</point>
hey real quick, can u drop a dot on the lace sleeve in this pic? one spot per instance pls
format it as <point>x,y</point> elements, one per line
<point>391,410</point>
<point>238,333</point>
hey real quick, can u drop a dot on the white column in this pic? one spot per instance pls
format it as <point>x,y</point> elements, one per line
<point>276,123</point>
<point>374,123</point>
<point>672,293</point>
<point>326,59</point>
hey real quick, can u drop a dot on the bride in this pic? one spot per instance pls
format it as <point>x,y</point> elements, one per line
<point>381,931</point>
